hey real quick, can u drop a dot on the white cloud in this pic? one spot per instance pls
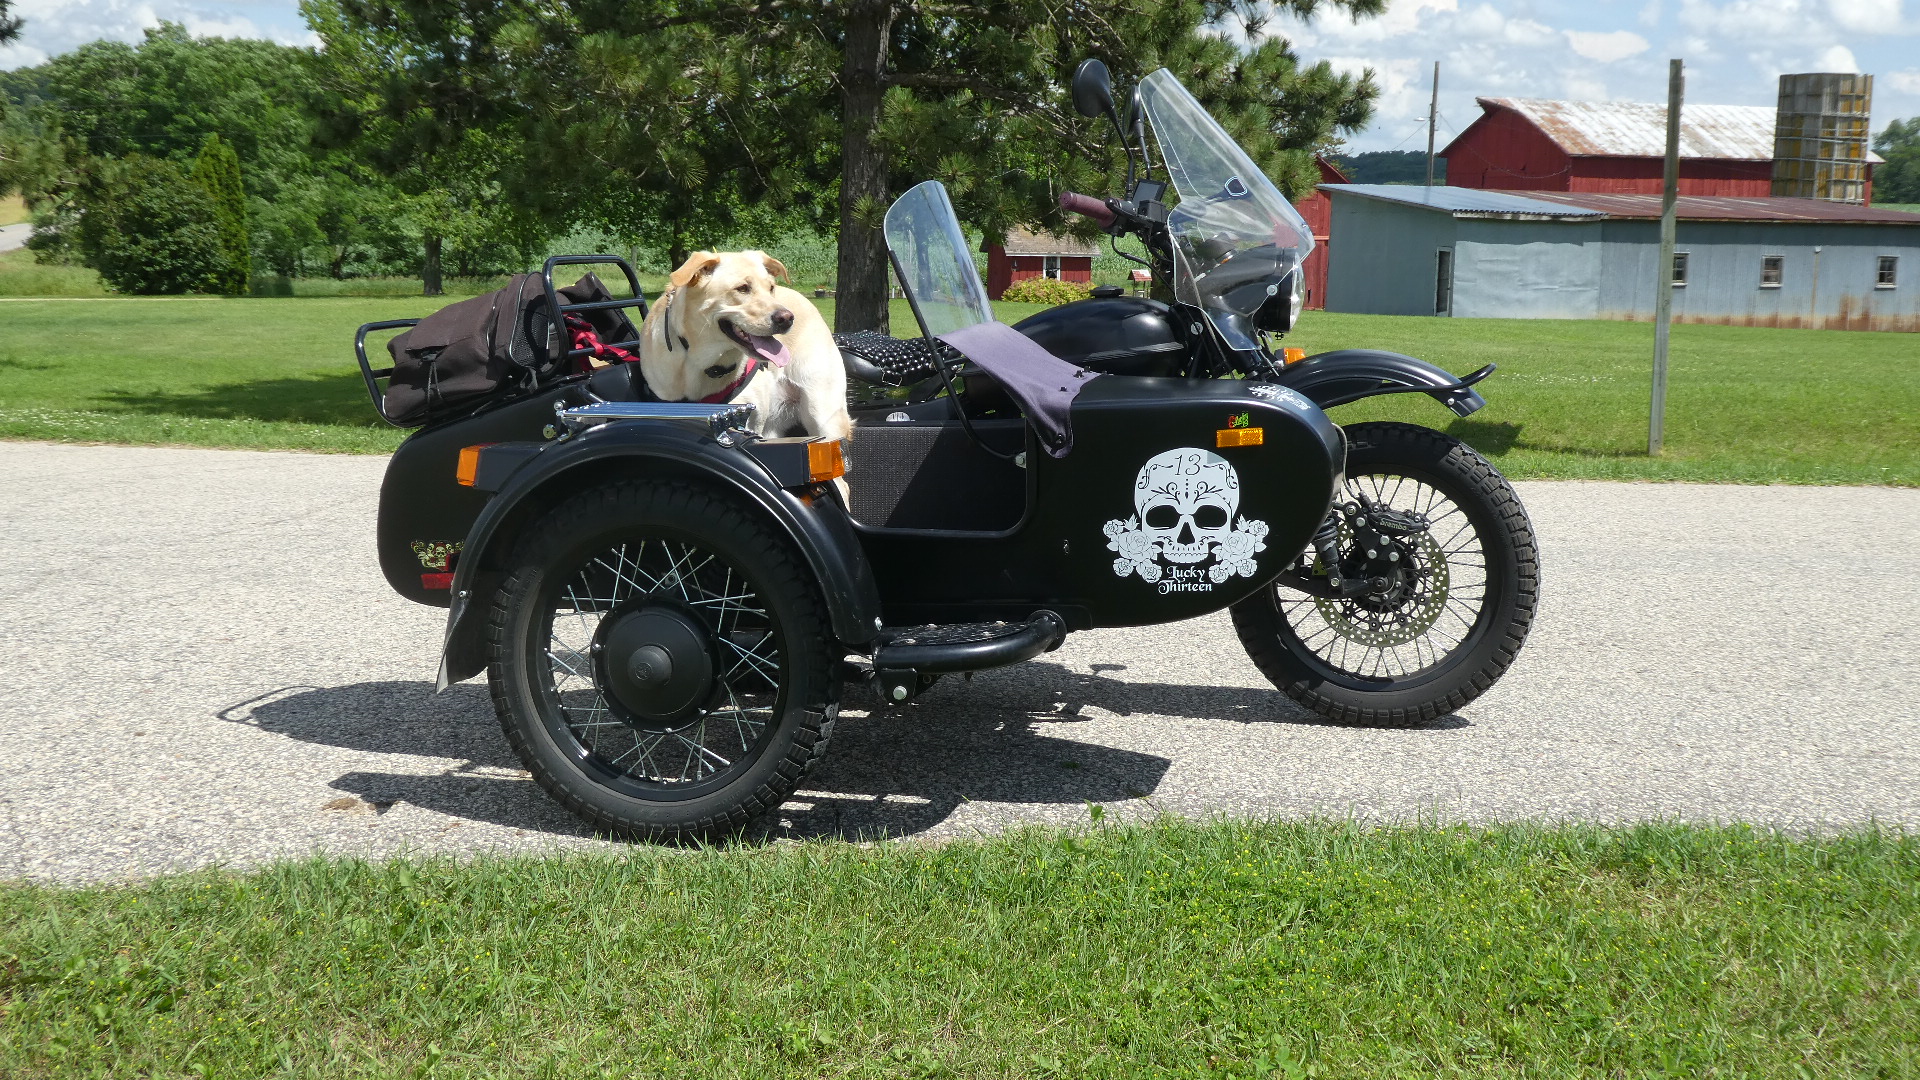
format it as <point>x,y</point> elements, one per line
<point>1837,58</point>
<point>1907,82</point>
<point>1867,16</point>
<point>1606,48</point>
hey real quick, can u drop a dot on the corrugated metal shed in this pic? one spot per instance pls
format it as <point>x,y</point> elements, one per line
<point>1464,202</point>
<point>1639,128</point>
<point>1481,202</point>
<point>1729,208</point>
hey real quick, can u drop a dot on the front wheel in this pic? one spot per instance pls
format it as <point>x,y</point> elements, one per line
<point>1450,573</point>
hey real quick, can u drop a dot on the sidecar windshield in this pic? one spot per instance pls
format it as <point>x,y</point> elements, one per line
<point>1235,237</point>
<point>930,255</point>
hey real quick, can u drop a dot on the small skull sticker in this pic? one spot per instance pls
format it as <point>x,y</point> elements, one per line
<point>1186,511</point>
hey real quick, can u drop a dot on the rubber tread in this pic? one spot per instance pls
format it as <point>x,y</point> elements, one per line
<point>783,568</point>
<point>1256,619</point>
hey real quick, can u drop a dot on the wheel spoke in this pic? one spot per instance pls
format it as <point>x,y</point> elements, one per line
<point>1417,623</point>
<point>715,736</point>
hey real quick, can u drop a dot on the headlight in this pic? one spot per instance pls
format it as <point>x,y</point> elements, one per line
<point>1285,300</point>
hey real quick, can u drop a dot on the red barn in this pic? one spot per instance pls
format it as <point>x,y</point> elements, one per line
<point>1526,144</point>
<point>1317,209</point>
<point>1029,255</point>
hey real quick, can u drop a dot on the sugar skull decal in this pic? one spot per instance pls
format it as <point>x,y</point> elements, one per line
<point>1186,507</point>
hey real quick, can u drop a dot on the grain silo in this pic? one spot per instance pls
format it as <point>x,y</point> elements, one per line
<point>1820,137</point>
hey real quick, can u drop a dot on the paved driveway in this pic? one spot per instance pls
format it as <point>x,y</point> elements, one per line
<point>202,663</point>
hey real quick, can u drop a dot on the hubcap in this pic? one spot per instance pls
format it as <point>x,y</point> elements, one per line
<point>656,663</point>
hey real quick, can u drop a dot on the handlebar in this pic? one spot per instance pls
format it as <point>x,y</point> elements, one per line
<point>1087,206</point>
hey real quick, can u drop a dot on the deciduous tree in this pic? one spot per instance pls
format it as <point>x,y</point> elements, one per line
<point>1898,181</point>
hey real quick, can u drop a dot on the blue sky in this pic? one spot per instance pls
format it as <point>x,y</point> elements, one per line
<point>1591,50</point>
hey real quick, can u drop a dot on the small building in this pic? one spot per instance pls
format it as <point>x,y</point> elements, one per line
<point>1029,255</point>
<point>1739,261</point>
<point>1528,144</point>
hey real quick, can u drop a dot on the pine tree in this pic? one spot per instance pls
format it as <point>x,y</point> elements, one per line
<point>217,170</point>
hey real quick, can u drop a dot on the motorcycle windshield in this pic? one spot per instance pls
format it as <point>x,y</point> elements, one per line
<point>1235,237</point>
<point>930,256</point>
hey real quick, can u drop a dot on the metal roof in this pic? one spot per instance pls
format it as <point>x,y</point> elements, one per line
<point>1589,205</point>
<point>1464,202</point>
<point>1639,128</point>
<point>1729,208</point>
<point>1023,242</point>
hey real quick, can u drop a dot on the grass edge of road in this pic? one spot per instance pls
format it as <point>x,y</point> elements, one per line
<point>1222,948</point>
<point>1747,405</point>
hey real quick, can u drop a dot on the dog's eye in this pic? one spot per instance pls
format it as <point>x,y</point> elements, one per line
<point>745,286</point>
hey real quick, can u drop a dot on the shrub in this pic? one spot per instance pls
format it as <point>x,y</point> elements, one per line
<point>1044,290</point>
<point>217,170</point>
<point>149,229</point>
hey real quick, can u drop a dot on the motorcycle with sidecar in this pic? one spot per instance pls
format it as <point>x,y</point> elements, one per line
<point>668,606</point>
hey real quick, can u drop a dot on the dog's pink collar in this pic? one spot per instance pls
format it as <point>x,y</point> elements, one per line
<point>724,393</point>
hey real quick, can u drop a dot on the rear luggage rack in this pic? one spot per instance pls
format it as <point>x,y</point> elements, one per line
<point>377,391</point>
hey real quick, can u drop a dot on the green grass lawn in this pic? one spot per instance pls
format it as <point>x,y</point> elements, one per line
<point>1570,399</point>
<point>1744,404</point>
<point>1270,950</point>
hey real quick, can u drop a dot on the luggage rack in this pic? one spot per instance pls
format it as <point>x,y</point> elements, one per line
<point>372,376</point>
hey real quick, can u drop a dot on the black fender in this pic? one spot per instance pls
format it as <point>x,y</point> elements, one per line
<point>1343,375</point>
<point>812,516</point>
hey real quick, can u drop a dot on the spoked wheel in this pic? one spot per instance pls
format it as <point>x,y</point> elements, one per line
<point>661,661</point>
<point>1442,576</point>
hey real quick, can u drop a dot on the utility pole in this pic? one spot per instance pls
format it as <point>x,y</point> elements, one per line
<point>1433,113</point>
<point>1663,286</point>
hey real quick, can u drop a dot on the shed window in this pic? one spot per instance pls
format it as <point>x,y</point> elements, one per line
<point>1679,268</point>
<point>1053,266</point>
<point>1886,277</point>
<point>1443,282</point>
<point>1772,267</point>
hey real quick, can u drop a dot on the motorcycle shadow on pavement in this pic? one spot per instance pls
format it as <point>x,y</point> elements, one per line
<point>889,773</point>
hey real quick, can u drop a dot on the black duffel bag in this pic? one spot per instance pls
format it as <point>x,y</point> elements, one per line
<point>486,345</point>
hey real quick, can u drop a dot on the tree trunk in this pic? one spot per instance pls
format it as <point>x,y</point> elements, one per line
<point>677,253</point>
<point>430,273</point>
<point>337,266</point>
<point>861,298</point>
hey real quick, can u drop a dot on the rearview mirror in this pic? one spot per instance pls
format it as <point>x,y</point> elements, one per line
<point>1093,89</point>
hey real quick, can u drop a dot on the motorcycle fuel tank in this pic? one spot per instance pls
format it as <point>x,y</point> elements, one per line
<point>1114,335</point>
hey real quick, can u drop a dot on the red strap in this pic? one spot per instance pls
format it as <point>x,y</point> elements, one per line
<point>585,337</point>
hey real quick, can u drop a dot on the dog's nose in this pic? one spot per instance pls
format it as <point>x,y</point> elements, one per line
<point>782,320</point>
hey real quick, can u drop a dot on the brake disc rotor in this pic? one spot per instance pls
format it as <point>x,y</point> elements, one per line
<point>1412,618</point>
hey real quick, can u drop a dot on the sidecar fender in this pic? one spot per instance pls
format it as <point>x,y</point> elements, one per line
<point>1343,375</point>
<point>812,517</point>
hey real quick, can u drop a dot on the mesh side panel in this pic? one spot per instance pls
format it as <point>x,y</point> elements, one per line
<point>930,476</point>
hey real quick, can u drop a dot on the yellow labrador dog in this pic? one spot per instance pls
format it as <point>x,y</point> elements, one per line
<point>725,330</point>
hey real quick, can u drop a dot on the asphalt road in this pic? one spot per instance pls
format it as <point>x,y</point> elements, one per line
<point>202,664</point>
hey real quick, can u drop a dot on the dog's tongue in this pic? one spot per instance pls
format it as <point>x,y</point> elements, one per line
<point>770,349</point>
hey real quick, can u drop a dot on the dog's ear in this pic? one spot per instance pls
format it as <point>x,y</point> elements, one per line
<point>774,266</point>
<point>699,264</point>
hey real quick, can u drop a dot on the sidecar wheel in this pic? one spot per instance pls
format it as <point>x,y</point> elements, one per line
<point>661,661</point>
<point>1453,611</point>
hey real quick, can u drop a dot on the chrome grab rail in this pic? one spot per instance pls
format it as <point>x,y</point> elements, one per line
<point>718,417</point>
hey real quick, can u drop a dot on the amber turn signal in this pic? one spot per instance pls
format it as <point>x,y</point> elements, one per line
<point>824,461</point>
<point>1246,436</point>
<point>1293,354</point>
<point>469,466</point>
